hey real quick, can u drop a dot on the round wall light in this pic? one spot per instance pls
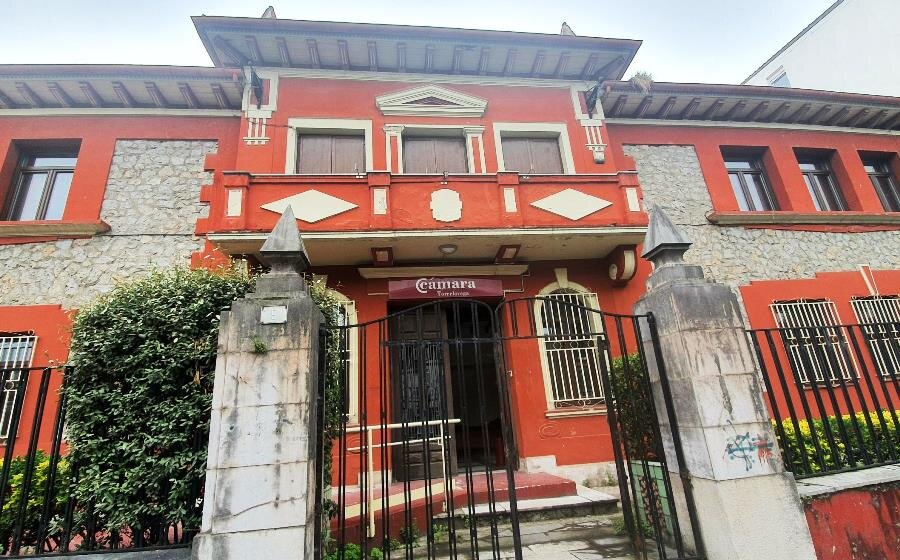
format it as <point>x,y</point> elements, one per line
<point>448,248</point>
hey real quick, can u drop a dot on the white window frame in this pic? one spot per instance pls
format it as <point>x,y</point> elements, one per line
<point>798,317</point>
<point>298,126</point>
<point>448,130</point>
<point>879,320</point>
<point>560,131</point>
<point>554,404</point>
<point>353,393</point>
<point>11,388</point>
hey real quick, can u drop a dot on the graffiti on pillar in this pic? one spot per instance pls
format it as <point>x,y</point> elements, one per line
<point>749,449</point>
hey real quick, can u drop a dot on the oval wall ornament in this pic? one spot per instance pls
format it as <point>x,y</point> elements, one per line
<point>446,205</point>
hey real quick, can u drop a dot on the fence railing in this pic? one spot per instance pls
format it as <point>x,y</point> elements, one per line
<point>40,512</point>
<point>833,394</point>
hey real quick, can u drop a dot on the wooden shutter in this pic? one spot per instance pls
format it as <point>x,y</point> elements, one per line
<point>532,155</point>
<point>434,155</point>
<point>320,153</point>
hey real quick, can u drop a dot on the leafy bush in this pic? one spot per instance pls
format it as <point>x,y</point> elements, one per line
<point>13,496</point>
<point>884,434</point>
<point>637,416</point>
<point>139,396</point>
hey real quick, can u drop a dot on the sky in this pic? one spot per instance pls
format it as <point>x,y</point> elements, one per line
<point>712,41</point>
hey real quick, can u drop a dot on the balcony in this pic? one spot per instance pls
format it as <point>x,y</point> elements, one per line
<point>343,217</point>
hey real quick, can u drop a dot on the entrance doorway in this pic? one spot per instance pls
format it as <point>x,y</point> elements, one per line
<point>444,381</point>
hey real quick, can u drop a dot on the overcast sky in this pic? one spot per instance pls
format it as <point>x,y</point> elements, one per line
<point>714,41</point>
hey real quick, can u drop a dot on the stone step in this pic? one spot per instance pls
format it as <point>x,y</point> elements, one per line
<point>585,502</point>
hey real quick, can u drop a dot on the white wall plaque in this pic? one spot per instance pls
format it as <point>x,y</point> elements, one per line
<point>446,206</point>
<point>273,315</point>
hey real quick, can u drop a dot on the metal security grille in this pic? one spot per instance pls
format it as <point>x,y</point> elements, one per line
<point>815,340</point>
<point>569,340</point>
<point>879,319</point>
<point>15,355</point>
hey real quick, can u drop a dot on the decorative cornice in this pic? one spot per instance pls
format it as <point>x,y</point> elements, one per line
<point>408,102</point>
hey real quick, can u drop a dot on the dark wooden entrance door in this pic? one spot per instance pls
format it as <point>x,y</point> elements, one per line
<point>421,394</point>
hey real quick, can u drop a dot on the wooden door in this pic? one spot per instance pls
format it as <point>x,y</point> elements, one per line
<point>420,392</point>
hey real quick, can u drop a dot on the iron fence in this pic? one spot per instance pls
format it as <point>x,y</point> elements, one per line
<point>40,513</point>
<point>833,392</point>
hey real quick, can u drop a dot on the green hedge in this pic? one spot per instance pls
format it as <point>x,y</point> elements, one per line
<point>637,416</point>
<point>884,434</point>
<point>12,500</point>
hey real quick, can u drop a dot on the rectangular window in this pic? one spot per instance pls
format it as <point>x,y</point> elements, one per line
<point>331,154</point>
<point>821,183</point>
<point>879,319</point>
<point>748,180</point>
<point>42,185</point>
<point>434,155</point>
<point>884,183</point>
<point>816,343</point>
<point>16,351</point>
<point>531,155</point>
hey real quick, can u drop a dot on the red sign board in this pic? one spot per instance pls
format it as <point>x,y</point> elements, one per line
<point>444,288</point>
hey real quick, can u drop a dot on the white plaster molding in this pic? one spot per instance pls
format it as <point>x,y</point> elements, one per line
<point>457,104</point>
<point>310,125</point>
<point>558,130</point>
<point>509,199</point>
<point>446,205</point>
<point>571,204</point>
<point>632,200</point>
<point>311,206</point>
<point>248,106</point>
<point>562,281</point>
<point>445,270</point>
<point>380,201</point>
<point>234,206</point>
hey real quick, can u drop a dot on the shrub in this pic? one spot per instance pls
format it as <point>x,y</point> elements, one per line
<point>636,412</point>
<point>139,396</point>
<point>884,434</point>
<point>12,500</point>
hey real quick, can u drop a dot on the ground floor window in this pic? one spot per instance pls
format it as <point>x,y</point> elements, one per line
<point>815,341</point>
<point>16,351</point>
<point>568,326</point>
<point>879,319</point>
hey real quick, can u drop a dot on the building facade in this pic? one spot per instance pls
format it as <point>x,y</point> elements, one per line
<point>826,54</point>
<point>431,164</point>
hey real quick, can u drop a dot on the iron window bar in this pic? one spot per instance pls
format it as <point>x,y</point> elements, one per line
<point>16,352</point>
<point>879,318</point>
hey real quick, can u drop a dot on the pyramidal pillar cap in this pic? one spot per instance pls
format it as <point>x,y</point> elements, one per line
<point>664,242</point>
<point>283,249</point>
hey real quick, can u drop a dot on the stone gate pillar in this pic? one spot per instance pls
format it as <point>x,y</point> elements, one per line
<point>747,506</point>
<point>260,482</point>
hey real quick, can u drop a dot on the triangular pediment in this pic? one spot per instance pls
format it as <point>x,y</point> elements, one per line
<point>431,100</point>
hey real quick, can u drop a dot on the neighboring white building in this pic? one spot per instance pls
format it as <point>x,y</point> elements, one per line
<point>854,46</point>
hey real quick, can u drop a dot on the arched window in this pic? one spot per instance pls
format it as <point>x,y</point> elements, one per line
<point>568,325</point>
<point>349,352</point>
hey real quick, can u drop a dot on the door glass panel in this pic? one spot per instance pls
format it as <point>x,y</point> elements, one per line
<point>58,195</point>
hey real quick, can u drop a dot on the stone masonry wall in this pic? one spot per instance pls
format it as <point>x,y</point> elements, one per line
<point>670,177</point>
<point>152,206</point>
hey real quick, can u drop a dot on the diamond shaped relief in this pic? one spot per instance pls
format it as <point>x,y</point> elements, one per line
<point>571,204</point>
<point>311,206</point>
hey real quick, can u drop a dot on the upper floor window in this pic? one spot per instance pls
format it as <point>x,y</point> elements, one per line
<point>885,186</point>
<point>821,183</point>
<point>532,154</point>
<point>434,154</point>
<point>42,185</point>
<point>748,180</point>
<point>331,153</point>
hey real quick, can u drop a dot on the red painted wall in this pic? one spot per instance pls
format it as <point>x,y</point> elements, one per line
<point>97,136</point>
<point>861,524</point>
<point>52,326</point>
<point>777,147</point>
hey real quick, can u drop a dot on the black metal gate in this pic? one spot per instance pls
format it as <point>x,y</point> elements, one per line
<point>584,350</point>
<point>417,448</point>
<point>418,453</point>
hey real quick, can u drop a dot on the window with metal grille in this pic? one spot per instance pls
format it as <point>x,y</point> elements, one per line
<point>42,185</point>
<point>16,351</point>
<point>879,319</point>
<point>815,341</point>
<point>569,326</point>
<point>748,180</point>
<point>885,186</point>
<point>346,317</point>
